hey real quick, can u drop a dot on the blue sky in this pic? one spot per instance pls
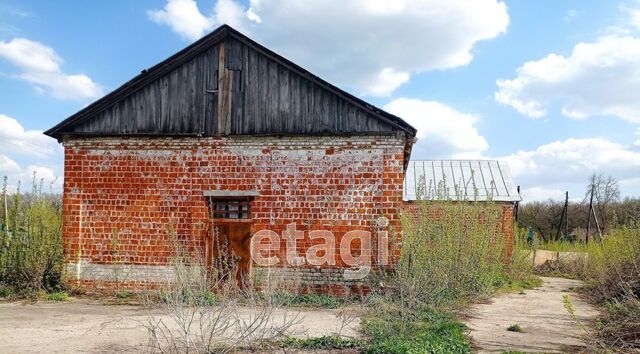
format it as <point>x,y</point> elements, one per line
<point>551,87</point>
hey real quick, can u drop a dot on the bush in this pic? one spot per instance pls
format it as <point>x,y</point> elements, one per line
<point>450,250</point>
<point>31,240</point>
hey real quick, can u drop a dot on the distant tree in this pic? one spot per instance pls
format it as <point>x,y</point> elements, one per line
<point>605,193</point>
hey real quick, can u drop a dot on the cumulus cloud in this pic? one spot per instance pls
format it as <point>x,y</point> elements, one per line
<point>36,151</point>
<point>597,78</point>
<point>541,193</point>
<point>184,17</point>
<point>13,137</point>
<point>23,176</point>
<point>443,132</point>
<point>41,66</point>
<point>372,46</point>
<point>567,164</point>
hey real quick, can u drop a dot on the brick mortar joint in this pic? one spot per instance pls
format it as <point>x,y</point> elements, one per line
<point>307,142</point>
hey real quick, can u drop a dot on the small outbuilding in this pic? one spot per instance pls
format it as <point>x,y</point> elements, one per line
<point>220,142</point>
<point>484,181</point>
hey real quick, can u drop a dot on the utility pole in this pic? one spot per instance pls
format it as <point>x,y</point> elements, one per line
<point>566,214</point>
<point>589,213</point>
<point>564,217</point>
<point>6,210</point>
<point>517,206</point>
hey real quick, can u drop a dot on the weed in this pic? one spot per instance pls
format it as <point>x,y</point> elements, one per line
<point>324,342</point>
<point>58,296</point>
<point>515,328</point>
<point>123,294</point>
<point>317,300</point>
<point>394,330</point>
<point>309,299</point>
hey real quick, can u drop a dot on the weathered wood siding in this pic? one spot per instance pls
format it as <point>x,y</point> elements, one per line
<point>232,89</point>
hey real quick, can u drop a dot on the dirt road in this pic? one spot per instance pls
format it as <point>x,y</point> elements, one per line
<point>547,326</point>
<point>83,326</point>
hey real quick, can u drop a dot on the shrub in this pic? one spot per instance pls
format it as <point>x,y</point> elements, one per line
<point>450,250</point>
<point>58,296</point>
<point>30,240</point>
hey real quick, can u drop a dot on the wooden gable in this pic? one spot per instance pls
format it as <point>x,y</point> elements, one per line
<point>227,84</point>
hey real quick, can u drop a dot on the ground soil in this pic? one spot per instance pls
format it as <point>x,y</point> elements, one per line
<point>547,325</point>
<point>90,326</point>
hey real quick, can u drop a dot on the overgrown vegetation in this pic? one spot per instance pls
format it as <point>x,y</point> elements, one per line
<point>201,310</point>
<point>611,271</point>
<point>30,240</point>
<point>452,252</point>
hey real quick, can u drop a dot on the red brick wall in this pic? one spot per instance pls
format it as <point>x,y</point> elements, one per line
<point>506,224</point>
<point>120,195</point>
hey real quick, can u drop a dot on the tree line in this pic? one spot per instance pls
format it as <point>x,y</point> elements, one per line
<point>544,218</point>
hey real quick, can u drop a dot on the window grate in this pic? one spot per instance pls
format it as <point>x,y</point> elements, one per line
<point>229,208</point>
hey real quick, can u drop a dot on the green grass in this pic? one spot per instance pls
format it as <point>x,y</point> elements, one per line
<point>310,299</point>
<point>515,328</point>
<point>425,331</point>
<point>514,285</point>
<point>317,300</point>
<point>58,296</point>
<point>563,246</point>
<point>123,294</point>
<point>324,342</point>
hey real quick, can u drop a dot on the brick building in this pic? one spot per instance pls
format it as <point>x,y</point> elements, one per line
<point>221,141</point>
<point>481,181</point>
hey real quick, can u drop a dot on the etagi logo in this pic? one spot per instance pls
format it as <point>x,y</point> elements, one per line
<point>266,243</point>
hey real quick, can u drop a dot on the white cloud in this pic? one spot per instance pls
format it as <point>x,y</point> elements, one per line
<point>637,134</point>
<point>443,132</point>
<point>541,193</point>
<point>18,175</point>
<point>40,66</point>
<point>36,152</point>
<point>14,138</point>
<point>567,164</point>
<point>184,18</point>
<point>597,78</point>
<point>373,46</point>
